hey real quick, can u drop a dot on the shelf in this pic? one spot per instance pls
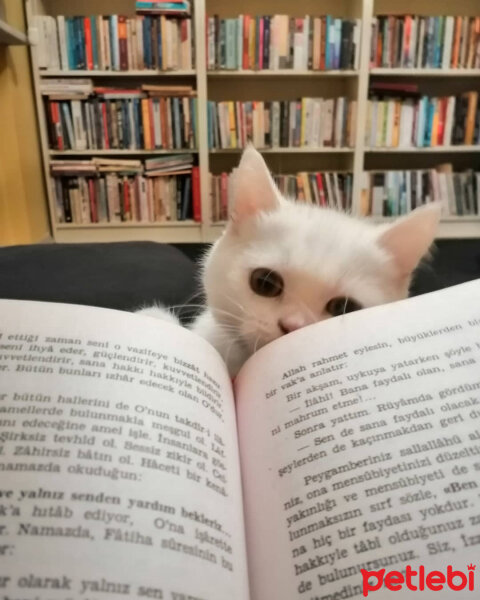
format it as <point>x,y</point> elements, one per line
<point>117,152</point>
<point>186,231</point>
<point>131,73</point>
<point>449,228</point>
<point>438,149</point>
<point>10,36</point>
<point>426,72</point>
<point>303,150</point>
<point>122,225</point>
<point>281,73</point>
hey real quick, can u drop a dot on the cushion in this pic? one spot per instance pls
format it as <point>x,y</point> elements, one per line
<point>122,275</point>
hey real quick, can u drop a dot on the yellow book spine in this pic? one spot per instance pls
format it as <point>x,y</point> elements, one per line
<point>146,124</point>
<point>435,126</point>
<point>233,129</point>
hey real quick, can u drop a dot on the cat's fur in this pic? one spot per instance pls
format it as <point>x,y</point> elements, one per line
<point>320,254</point>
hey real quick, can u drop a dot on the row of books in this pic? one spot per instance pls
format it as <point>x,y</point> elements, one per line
<point>423,122</point>
<point>114,191</point>
<point>306,122</point>
<point>328,189</point>
<point>149,118</point>
<point>114,42</point>
<point>425,42</point>
<point>393,193</point>
<point>282,42</point>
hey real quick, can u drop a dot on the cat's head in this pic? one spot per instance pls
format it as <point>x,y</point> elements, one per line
<point>282,265</point>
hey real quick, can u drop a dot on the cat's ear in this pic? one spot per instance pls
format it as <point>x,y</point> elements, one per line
<point>253,189</point>
<point>409,238</point>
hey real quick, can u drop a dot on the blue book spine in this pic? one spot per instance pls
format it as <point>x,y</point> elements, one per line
<point>193,120</point>
<point>112,43</point>
<point>116,50</point>
<point>83,48</point>
<point>93,27</point>
<point>332,43</point>
<point>159,46</point>
<point>147,42</point>
<point>327,41</point>
<point>70,41</point>
<point>178,7</point>
<point>429,122</point>
<point>136,122</point>
<point>209,123</point>
<point>176,119</point>
<point>338,41</point>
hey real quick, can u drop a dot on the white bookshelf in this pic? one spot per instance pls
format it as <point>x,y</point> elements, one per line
<point>265,85</point>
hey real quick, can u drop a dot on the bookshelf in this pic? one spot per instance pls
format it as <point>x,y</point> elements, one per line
<point>287,84</point>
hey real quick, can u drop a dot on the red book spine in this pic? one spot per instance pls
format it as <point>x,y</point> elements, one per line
<point>197,207</point>
<point>246,28</point>
<point>126,200</point>
<point>321,191</point>
<point>88,42</point>
<point>57,124</point>
<point>93,201</point>
<point>122,42</point>
<point>442,114</point>
<point>106,142</point>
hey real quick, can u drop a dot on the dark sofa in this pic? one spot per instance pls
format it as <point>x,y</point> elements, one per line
<point>128,275</point>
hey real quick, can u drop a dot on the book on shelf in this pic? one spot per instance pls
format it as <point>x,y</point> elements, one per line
<point>330,189</point>
<point>167,7</point>
<point>393,193</point>
<point>347,445</point>
<point>282,42</point>
<point>114,42</point>
<point>147,118</point>
<point>425,42</point>
<point>108,190</point>
<point>305,122</point>
<point>423,121</point>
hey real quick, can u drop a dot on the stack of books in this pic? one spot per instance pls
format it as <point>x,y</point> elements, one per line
<point>306,122</point>
<point>393,193</point>
<point>333,190</point>
<point>425,42</point>
<point>150,117</point>
<point>423,121</point>
<point>114,42</point>
<point>105,190</point>
<point>163,7</point>
<point>282,42</point>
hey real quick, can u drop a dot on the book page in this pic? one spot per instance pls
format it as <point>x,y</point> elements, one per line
<point>119,470</point>
<point>360,449</point>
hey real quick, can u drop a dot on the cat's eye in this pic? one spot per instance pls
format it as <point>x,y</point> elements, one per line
<point>266,282</point>
<point>341,305</point>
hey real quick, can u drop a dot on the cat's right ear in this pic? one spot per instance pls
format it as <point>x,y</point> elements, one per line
<point>253,189</point>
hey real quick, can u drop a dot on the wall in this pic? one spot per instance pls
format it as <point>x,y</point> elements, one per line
<point>23,203</point>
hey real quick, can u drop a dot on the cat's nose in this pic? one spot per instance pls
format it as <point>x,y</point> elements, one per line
<point>289,324</point>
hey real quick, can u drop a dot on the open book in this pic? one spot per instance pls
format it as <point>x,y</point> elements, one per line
<point>130,467</point>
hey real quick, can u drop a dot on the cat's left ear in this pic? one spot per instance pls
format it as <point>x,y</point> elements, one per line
<point>409,238</point>
<point>253,189</point>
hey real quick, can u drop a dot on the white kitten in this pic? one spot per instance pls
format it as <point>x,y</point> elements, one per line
<point>282,265</point>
